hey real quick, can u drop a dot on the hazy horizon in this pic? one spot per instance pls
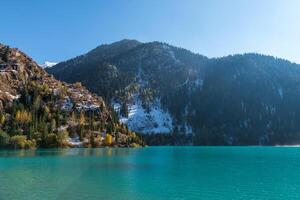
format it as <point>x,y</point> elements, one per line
<point>57,31</point>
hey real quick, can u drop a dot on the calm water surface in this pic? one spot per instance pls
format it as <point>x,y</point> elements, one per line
<point>152,173</point>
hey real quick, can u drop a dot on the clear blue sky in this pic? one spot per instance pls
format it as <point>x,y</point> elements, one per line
<point>57,30</point>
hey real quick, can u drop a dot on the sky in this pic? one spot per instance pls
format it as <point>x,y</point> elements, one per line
<point>57,30</point>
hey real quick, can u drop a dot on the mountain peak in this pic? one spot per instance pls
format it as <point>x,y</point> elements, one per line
<point>109,50</point>
<point>48,64</point>
<point>123,41</point>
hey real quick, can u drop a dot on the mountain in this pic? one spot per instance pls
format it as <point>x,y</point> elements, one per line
<point>248,99</point>
<point>48,64</point>
<point>36,110</point>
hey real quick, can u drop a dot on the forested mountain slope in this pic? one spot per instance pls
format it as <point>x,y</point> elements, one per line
<point>36,110</point>
<point>158,88</point>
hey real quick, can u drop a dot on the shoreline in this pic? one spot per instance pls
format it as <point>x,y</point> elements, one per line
<point>140,146</point>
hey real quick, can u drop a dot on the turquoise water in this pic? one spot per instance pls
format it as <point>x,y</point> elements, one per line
<point>152,173</point>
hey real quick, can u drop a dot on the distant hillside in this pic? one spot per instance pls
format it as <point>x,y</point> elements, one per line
<point>245,99</point>
<point>36,110</point>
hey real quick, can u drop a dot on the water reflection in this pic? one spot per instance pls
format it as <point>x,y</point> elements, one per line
<point>68,152</point>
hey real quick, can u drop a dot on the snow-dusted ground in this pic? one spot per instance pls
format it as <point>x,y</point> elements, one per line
<point>75,141</point>
<point>12,97</point>
<point>156,121</point>
<point>170,52</point>
<point>48,64</point>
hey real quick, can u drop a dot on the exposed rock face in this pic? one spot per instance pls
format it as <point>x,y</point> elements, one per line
<point>17,70</point>
<point>38,111</point>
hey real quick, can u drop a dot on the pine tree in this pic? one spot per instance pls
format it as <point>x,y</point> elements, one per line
<point>124,110</point>
<point>81,125</point>
<point>73,117</point>
<point>53,125</point>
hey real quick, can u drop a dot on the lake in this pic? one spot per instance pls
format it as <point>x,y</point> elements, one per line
<point>152,173</point>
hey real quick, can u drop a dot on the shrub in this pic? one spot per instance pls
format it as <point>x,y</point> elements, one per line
<point>4,139</point>
<point>30,144</point>
<point>2,119</point>
<point>37,136</point>
<point>21,142</point>
<point>51,140</point>
<point>62,138</point>
<point>18,141</point>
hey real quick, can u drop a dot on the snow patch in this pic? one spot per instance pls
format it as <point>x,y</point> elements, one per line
<point>171,53</point>
<point>280,92</point>
<point>88,106</point>
<point>199,82</point>
<point>67,104</point>
<point>12,97</point>
<point>48,64</point>
<point>75,141</point>
<point>156,121</point>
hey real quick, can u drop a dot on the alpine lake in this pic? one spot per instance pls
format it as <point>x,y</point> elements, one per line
<point>151,173</point>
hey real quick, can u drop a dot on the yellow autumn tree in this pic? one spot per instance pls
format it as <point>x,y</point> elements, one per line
<point>82,118</point>
<point>46,109</point>
<point>18,115</point>
<point>2,119</point>
<point>23,116</point>
<point>108,139</point>
<point>77,85</point>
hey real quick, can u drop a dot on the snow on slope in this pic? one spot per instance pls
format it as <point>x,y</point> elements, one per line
<point>156,121</point>
<point>280,92</point>
<point>47,64</point>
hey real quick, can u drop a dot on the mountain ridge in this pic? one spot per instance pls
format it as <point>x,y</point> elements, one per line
<point>253,85</point>
<point>36,110</point>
